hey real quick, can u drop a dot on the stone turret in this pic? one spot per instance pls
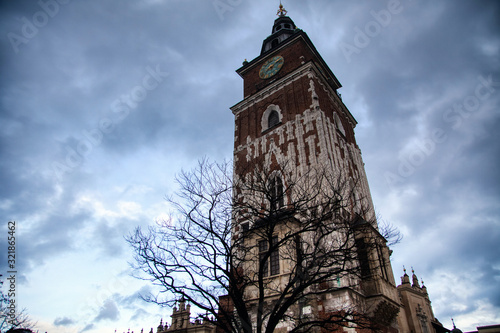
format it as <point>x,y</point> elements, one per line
<point>160,327</point>
<point>405,279</point>
<point>424,288</point>
<point>181,321</point>
<point>415,279</point>
<point>418,315</point>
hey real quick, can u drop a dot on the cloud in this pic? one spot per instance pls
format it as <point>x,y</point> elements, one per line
<point>88,327</point>
<point>109,311</point>
<point>133,300</point>
<point>63,321</point>
<point>139,314</point>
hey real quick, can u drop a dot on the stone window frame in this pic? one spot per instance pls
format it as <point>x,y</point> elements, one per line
<point>265,117</point>
<point>338,123</point>
<point>272,265</point>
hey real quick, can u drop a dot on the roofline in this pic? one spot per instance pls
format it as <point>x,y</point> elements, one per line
<point>310,65</point>
<point>291,39</point>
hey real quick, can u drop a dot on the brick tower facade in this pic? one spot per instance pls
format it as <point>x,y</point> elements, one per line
<point>293,115</point>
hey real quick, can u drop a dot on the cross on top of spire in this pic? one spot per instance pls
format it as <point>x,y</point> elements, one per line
<point>281,10</point>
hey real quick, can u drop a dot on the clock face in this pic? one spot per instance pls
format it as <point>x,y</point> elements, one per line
<point>271,67</point>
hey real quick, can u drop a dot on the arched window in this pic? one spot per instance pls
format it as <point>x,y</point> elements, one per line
<point>271,117</point>
<point>274,119</point>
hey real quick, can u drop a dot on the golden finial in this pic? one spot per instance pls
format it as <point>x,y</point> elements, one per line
<point>281,11</point>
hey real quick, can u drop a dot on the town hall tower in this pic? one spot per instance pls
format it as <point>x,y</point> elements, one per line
<point>292,120</point>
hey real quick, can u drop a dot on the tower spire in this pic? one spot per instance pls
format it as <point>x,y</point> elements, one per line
<point>414,278</point>
<point>281,10</point>
<point>283,28</point>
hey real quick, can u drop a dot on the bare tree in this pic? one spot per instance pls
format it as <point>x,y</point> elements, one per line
<point>390,232</point>
<point>260,251</point>
<point>10,316</point>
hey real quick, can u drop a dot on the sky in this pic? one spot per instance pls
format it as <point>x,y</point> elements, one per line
<point>102,103</point>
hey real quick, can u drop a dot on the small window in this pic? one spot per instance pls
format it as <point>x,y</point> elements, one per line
<point>245,226</point>
<point>274,119</point>
<point>275,42</point>
<point>287,26</point>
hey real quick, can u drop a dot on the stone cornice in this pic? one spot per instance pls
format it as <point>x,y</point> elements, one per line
<point>272,88</point>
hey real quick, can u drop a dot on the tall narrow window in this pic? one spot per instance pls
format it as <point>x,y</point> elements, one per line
<point>262,253</point>
<point>273,119</point>
<point>338,124</point>
<point>271,266</point>
<point>383,267</point>
<point>362,252</point>
<point>275,259</point>
<point>277,199</point>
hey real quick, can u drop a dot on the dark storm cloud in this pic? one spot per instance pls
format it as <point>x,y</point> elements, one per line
<point>434,68</point>
<point>91,58</point>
